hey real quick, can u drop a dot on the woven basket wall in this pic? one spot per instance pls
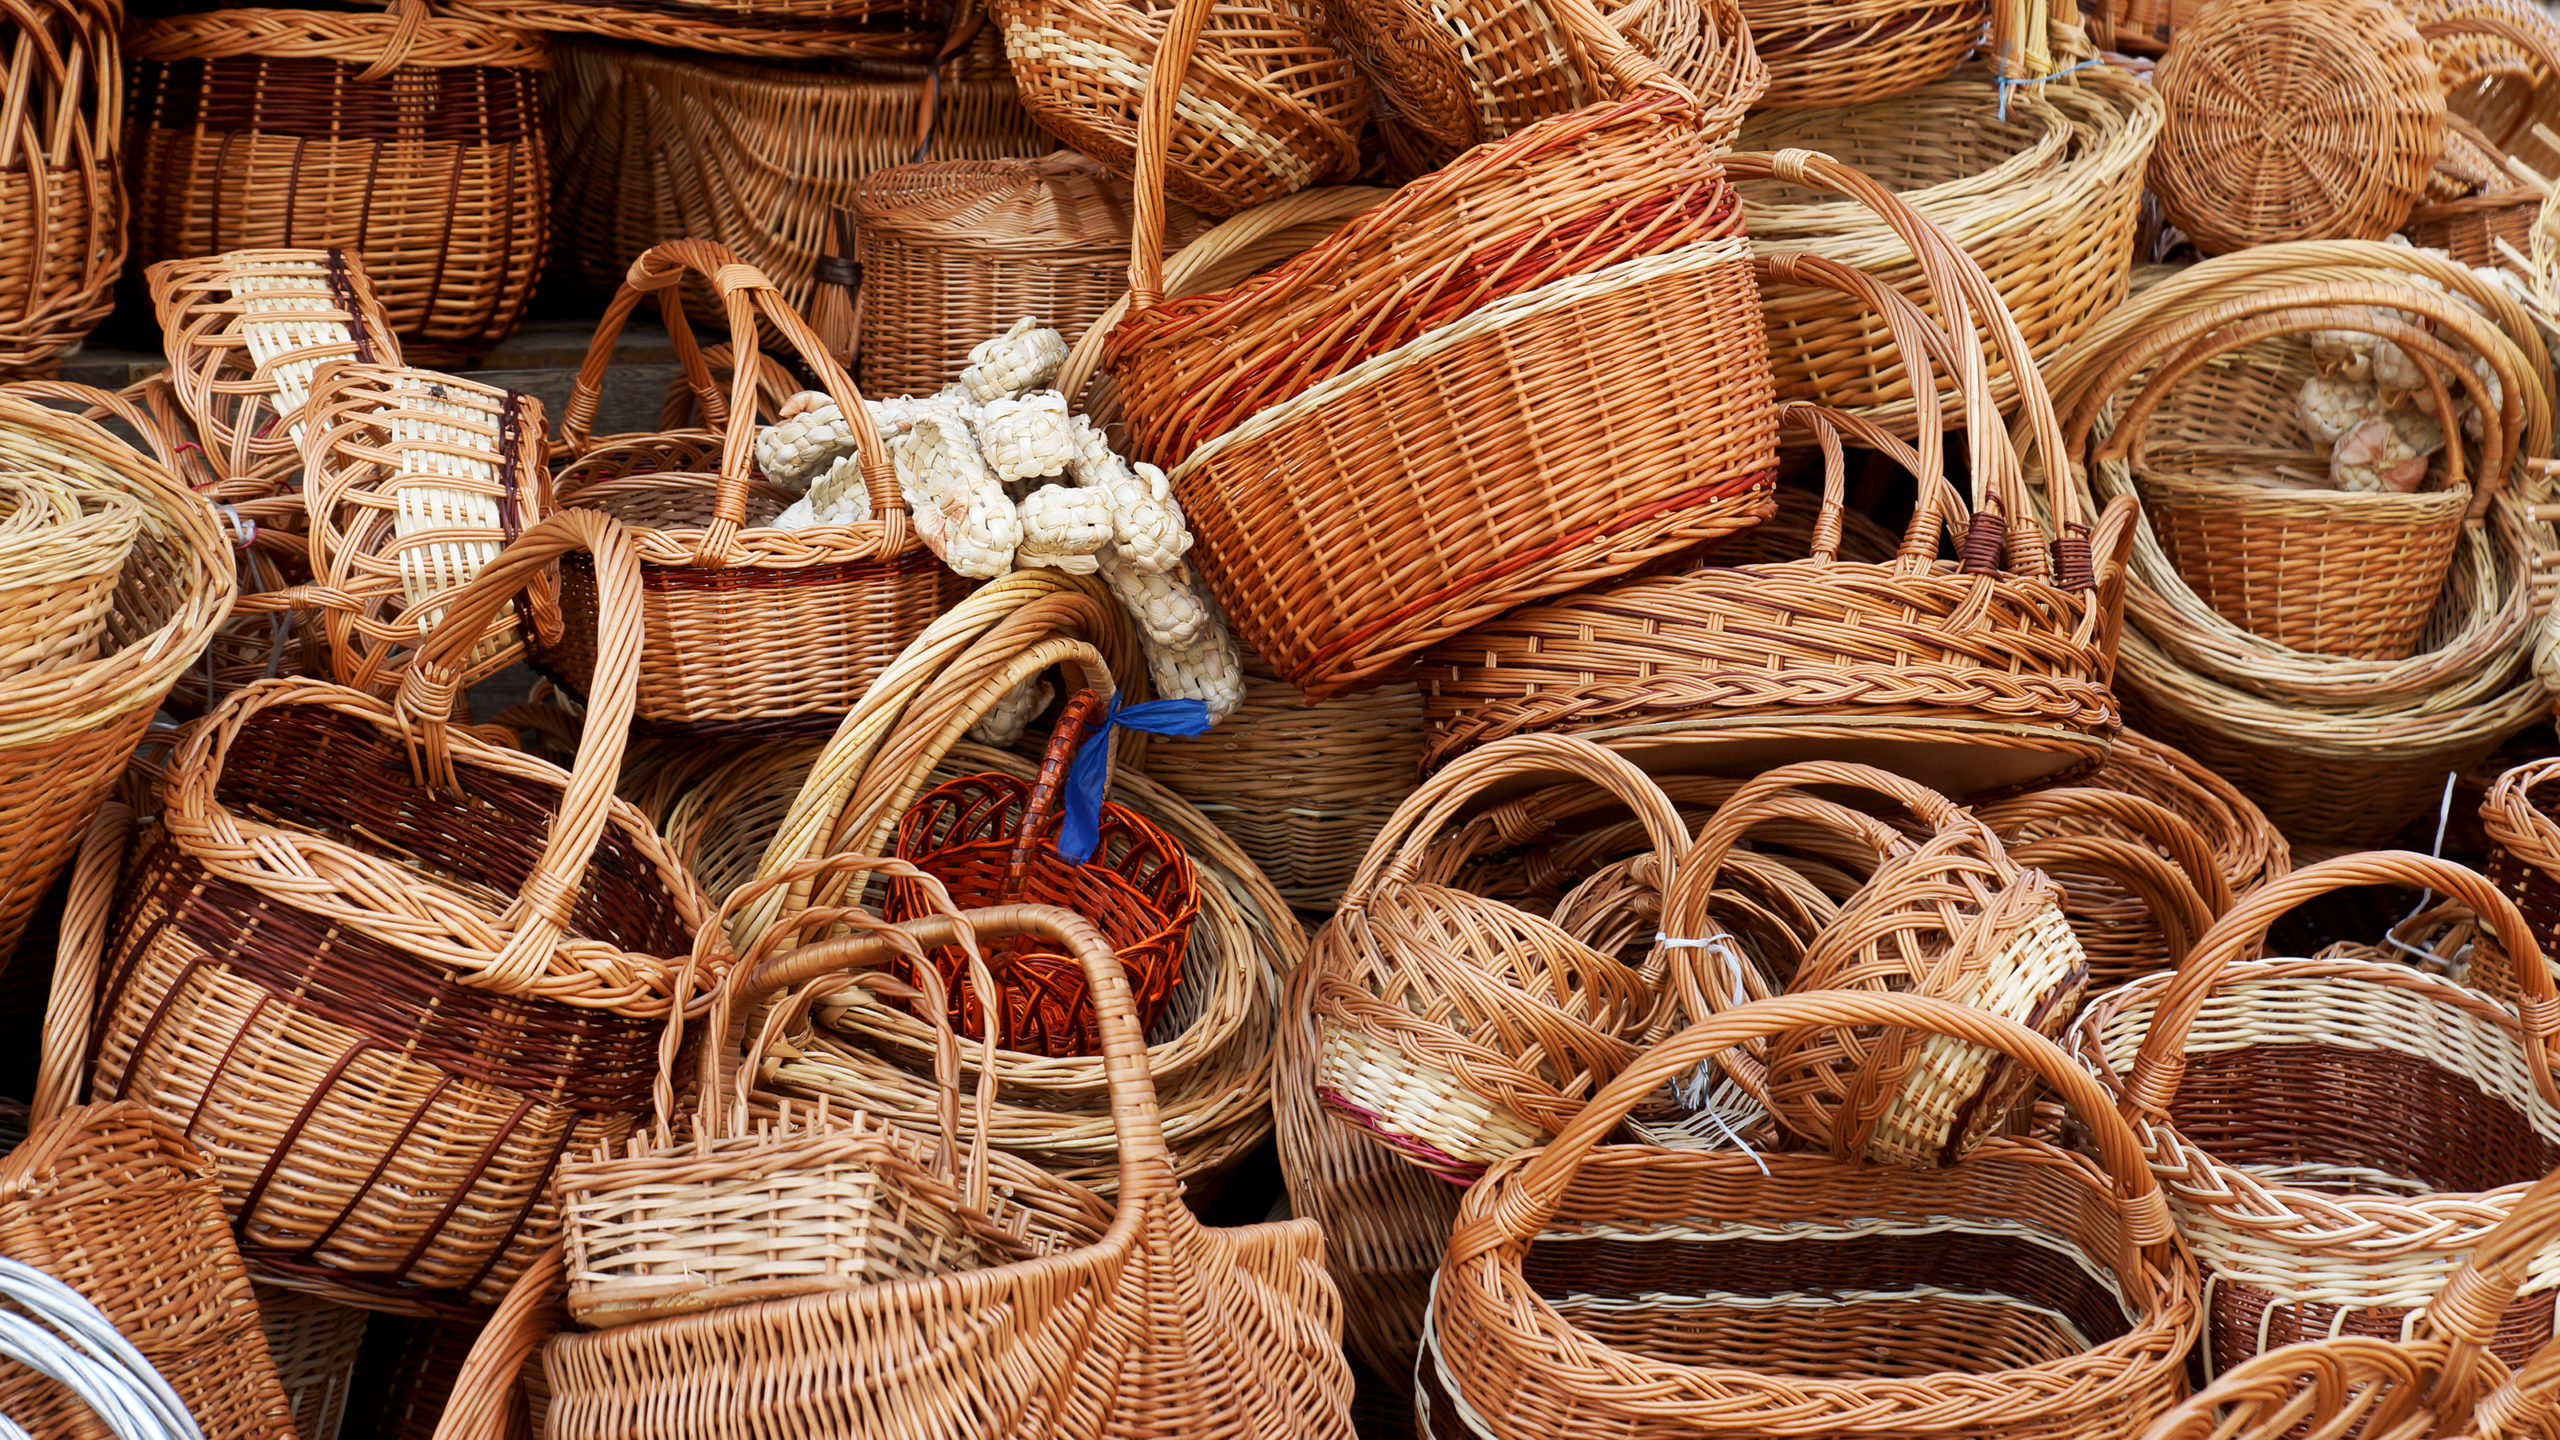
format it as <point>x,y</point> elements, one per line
<point>61,207</point>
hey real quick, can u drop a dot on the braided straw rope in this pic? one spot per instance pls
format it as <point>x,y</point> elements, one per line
<point>2334,1134</point>
<point>2296,120</point>
<point>62,548</point>
<point>1712,1293</point>
<point>62,204</point>
<point>1160,1323</point>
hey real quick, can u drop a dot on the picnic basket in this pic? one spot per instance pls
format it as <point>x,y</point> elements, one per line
<point>1736,669</point>
<point>364,930</point>
<point>751,630</point>
<point>412,137</point>
<point>61,198</point>
<point>1631,1289</point>
<point>2236,1069</point>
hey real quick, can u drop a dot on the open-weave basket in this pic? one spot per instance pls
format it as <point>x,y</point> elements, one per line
<point>2296,120</point>
<point>1734,669</point>
<point>315,1344</point>
<point>1824,53</point>
<point>656,147</point>
<point>2044,194</point>
<point>412,138</point>
<point>1266,106</point>
<point>66,732</point>
<point>63,546</point>
<point>1455,1026</point>
<point>1159,1323</point>
<point>759,1200</point>
<point>363,931</point>
<point>2494,57</point>
<point>61,199</point>
<point>2334,1134</point>
<point>750,629</point>
<point>1593,1291</point>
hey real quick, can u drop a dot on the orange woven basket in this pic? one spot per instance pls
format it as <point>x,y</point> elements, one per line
<point>817,30</point>
<point>1843,52</point>
<point>62,213</point>
<point>992,840</point>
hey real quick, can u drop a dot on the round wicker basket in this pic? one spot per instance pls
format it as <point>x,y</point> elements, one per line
<point>62,204</point>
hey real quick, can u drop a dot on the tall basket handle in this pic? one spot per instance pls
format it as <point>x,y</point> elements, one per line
<point>2475,1298</point>
<point>482,1403</point>
<point>2196,862</point>
<point>1543,1175</point>
<point>2161,1066</point>
<point>1075,722</point>
<point>70,1007</point>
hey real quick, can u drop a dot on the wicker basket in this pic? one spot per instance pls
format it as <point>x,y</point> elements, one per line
<point>2242,1068</point>
<point>954,251</point>
<point>993,840</point>
<point>1823,53</point>
<point>61,200</point>
<point>1459,1028</point>
<point>413,139</point>
<point>820,31</point>
<point>2495,58</point>
<point>315,1343</point>
<point>1737,669</point>
<point>656,147</point>
<point>751,630</point>
<point>2522,817</point>
<point>415,481</point>
<point>63,545</point>
<point>2296,120</point>
<point>2044,195</point>
<point>365,932</point>
<point>1200,1331</point>
<point>67,731</point>
<point>1593,1291</point>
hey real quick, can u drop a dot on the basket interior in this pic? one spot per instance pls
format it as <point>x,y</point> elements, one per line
<point>334,775</point>
<point>1910,142</point>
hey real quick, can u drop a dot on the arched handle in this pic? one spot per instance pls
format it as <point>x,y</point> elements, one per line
<point>2161,1066</point>
<point>2536,44</point>
<point>483,1399</point>
<point>409,25</point>
<point>1539,1184</point>
<point>2476,1297</point>
<point>1084,710</point>
<point>2200,869</point>
<point>70,1008</point>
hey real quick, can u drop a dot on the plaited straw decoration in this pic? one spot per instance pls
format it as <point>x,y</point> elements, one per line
<point>1725,668</point>
<point>954,251</point>
<point>245,332</point>
<point>62,549</point>
<point>1267,106</point>
<point>759,1200</point>
<point>314,1343</point>
<point>468,948</point>
<point>2239,1072</point>
<point>2043,194</point>
<point>1457,1027</point>
<point>415,481</point>
<point>412,138</point>
<point>2215,450</point>
<point>750,629</point>
<point>2332,749</point>
<point>2440,1380</point>
<point>1825,53</point>
<point>1302,787</point>
<point>66,732</point>
<point>1609,1291</point>
<point>1946,914</point>
<point>1256,1350</point>
<point>2296,120</point>
<point>1455,73</point>
<point>61,199</point>
<point>760,157</point>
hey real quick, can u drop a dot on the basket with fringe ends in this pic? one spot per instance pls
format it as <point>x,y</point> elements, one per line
<point>2442,1381</point>
<point>1946,913</point>
<point>2139,884</point>
<point>1973,675</point>
<point>2333,1135</point>
<point>247,331</point>
<point>1456,1027</point>
<point>414,481</point>
<point>758,1198</point>
<point>1592,1290</point>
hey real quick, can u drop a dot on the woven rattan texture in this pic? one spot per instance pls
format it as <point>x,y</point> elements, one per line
<point>2522,817</point>
<point>315,1344</point>
<point>258,129</point>
<point>2296,120</point>
<point>831,32</point>
<point>1827,52</point>
<point>63,546</point>
<point>62,203</point>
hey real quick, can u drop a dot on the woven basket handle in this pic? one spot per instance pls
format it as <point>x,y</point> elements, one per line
<point>1965,297</point>
<point>1085,709</point>
<point>750,300</point>
<point>2197,865</point>
<point>1146,1165</point>
<point>482,1405</point>
<point>1545,1174</point>
<point>70,1007</point>
<point>2475,1298</point>
<point>409,25</point>
<point>2535,43</point>
<point>2161,1066</point>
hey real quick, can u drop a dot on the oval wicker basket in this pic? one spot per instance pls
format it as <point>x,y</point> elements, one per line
<point>1823,53</point>
<point>2296,120</point>
<point>413,139</point>
<point>2240,1070</point>
<point>62,202</point>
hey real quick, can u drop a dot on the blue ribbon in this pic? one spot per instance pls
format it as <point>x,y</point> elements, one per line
<point>1089,774</point>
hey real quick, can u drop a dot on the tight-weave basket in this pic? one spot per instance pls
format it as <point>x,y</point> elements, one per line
<point>2522,817</point>
<point>315,1344</point>
<point>415,140</point>
<point>807,30</point>
<point>62,206</point>
<point>2239,1072</point>
<point>1630,1290</point>
<point>363,931</point>
<point>1824,53</point>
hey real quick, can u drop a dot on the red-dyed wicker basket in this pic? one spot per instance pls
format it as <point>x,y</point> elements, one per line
<point>991,840</point>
